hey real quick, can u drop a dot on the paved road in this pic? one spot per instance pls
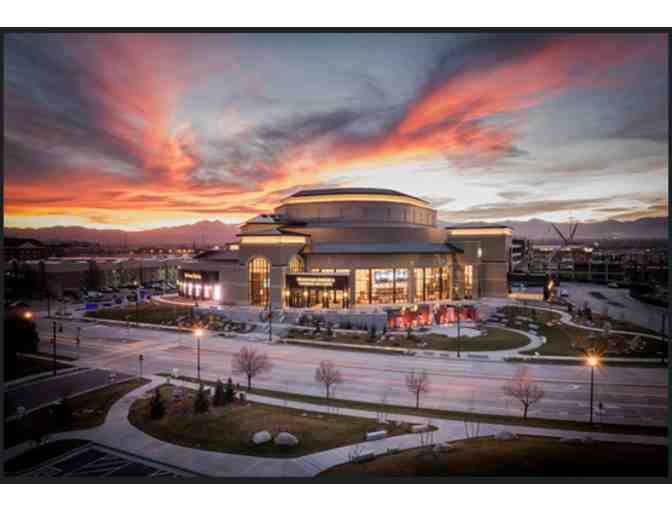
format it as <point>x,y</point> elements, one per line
<point>632,310</point>
<point>629,395</point>
<point>37,393</point>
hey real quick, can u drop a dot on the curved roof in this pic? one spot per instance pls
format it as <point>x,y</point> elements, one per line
<point>352,191</point>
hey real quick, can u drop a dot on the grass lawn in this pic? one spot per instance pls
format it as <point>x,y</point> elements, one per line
<point>151,313</point>
<point>26,366</point>
<point>455,415</point>
<point>88,411</point>
<point>229,429</point>
<point>495,339</point>
<point>560,339</point>
<point>526,456</point>
<point>36,456</point>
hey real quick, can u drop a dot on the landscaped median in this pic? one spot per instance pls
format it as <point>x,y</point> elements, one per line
<point>76,413</point>
<point>231,428</point>
<point>449,415</point>
<point>572,341</point>
<point>515,456</point>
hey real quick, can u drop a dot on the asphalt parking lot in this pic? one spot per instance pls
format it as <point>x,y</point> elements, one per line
<point>102,462</point>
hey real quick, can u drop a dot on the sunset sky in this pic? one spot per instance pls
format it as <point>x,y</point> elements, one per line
<point>139,131</point>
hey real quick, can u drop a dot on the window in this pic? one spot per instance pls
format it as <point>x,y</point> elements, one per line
<point>468,281</point>
<point>433,283</point>
<point>401,285</point>
<point>362,286</point>
<point>420,284</point>
<point>382,286</point>
<point>296,265</point>
<point>259,273</point>
<point>446,282</point>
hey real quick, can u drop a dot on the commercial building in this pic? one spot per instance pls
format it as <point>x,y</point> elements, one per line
<point>351,247</point>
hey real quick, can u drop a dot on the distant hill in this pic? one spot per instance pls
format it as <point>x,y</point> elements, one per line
<point>202,232</point>
<point>645,228</point>
<point>215,232</point>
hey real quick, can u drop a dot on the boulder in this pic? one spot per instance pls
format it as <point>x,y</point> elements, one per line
<point>505,435</point>
<point>286,439</point>
<point>261,437</point>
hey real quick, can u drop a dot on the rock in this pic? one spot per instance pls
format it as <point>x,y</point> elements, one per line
<point>505,435</point>
<point>261,437</point>
<point>286,439</point>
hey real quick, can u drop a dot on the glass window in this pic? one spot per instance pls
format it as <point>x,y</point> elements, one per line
<point>401,285</point>
<point>259,272</point>
<point>382,286</point>
<point>445,282</point>
<point>296,265</point>
<point>362,286</point>
<point>468,281</point>
<point>433,283</point>
<point>419,284</point>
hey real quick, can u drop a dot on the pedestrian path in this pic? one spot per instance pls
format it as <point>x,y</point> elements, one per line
<point>117,432</point>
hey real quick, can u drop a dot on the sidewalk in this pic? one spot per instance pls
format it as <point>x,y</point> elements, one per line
<point>117,432</point>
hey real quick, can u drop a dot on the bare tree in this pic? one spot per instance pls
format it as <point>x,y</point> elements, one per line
<point>328,375</point>
<point>524,388</point>
<point>417,384</point>
<point>250,363</point>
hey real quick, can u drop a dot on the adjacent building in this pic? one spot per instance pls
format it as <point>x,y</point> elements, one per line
<point>351,247</point>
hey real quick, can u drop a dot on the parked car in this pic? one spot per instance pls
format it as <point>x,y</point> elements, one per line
<point>564,293</point>
<point>613,285</point>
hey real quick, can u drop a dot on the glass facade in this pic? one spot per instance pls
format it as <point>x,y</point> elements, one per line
<point>382,286</point>
<point>362,286</point>
<point>468,281</point>
<point>259,273</point>
<point>432,283</point>
<point>401,286</point>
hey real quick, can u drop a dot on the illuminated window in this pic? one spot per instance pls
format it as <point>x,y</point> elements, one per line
<point>362,286</point>
<point>468,281</point>
<point>419,284</point>
<point>259,273</point>
<point>433,283</point>
<point>401,285</point>
<point>217,294</point>
<point>296,265</point>
<point>382,286</point>
<point>446,282</point>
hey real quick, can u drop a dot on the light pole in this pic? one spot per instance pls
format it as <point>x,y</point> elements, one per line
<point>592,361</point>
<point>53,346</point>
<point>458,308</point>
<point>140,360</point>
<point>198,332</point>
<point>662,338</point>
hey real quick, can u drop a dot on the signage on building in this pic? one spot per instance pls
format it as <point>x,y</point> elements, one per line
<point>315,281</point>
<point>192,276</point>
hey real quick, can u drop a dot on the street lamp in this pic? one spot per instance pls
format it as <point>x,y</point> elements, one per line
<point>458,308</point>
<point>28,315</point>
<point>198,332</point>
<point>592,361</point>
<point>53,346</point>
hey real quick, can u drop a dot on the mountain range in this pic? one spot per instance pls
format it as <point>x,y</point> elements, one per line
<point>216,232</point>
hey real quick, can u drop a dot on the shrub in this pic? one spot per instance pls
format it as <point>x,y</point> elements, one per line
<point>157,408</point>
<point>201,403</point>
<point>372,332</point>
<point>219,399</point>
<point>329,330</point>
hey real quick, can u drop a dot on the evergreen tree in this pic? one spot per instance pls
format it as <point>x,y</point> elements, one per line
<point>219,398</point>
<point>157,408</point>
<point>230,392</point>
<point>201,403</point>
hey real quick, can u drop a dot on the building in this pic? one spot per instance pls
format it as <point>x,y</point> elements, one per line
<point>16,248</point>
<point>351,247</point>
<point>33,278</point>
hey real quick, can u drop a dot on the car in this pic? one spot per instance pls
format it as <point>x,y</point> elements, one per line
<point>564,293</point>
<point>613,285</point>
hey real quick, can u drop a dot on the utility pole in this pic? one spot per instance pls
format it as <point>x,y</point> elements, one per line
<point>53,346</point>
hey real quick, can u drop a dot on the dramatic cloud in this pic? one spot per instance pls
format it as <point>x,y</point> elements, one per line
<point>135,129</point>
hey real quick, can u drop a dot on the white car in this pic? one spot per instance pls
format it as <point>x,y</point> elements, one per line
<point>564,293</point>
<point>613,285</point>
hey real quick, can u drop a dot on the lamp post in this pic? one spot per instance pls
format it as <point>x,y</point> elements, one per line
<point>198,332</point>
<point>592,361</point>
<point>458,308</point>
<point>53,346</point>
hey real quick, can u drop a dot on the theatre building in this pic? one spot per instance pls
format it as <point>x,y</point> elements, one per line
<point>351,247</point>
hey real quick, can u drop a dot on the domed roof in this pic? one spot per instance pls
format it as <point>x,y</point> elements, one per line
<point>351,191</point>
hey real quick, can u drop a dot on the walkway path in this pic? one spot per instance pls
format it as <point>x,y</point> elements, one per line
<point>117,432</point>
